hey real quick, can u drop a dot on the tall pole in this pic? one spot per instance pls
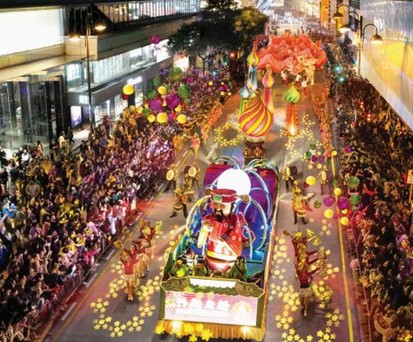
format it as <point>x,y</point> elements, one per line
<point>360,45</point>
<point>89,90</point>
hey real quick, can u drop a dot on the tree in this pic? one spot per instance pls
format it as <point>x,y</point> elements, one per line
<point>248,23</point>
<point>222,28</point>
<point>221,5</point>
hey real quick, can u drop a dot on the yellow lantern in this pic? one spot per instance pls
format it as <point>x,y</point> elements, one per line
<point>162,118</point>
<point>210,83</point>
<point>344,221</point>
<point>344,211</point>
<point>334,153</point>
<point>337,191</point>
<point>181,119</point>
<point>128,89</point>
<point>328,213</point>
<point>310,180</point>
<point>162,90</point>
<point>178,108</point>
<point>140,109</point>
<point>151,118</point>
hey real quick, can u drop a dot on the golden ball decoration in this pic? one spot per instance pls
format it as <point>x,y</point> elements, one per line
<point>337,191</point>
<point>162,90</point>
<point>328,213</point>
<point>162,118</point>
<point>151,118</point>
<point>181,119</point>
<point>310,180</point>
<point>344,221</point>
<point>128,89</point>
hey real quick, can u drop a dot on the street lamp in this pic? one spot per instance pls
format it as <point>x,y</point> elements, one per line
<point>374,39</point>
<point>99,26</point>
<point>346,27</point>
<point>338,15</point>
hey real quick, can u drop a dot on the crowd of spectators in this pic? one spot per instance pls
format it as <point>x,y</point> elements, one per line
<point>377,149</point>
<point>59,216</point>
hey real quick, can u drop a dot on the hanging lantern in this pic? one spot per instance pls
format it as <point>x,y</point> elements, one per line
<point>181,119</point>
<point>162,90</point>
<point>151,118</point>
<point>155,40</point>
<point>175,74</point>
<point>162,118</point>
<point>128,89</point>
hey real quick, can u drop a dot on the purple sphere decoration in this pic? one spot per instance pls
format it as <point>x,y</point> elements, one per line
<point>328,201</point>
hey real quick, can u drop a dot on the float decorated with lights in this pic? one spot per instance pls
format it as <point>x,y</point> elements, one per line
<point>231,224</point>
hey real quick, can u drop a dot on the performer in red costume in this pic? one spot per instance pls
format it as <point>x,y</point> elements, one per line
<point>223,227</point>
<point>129,258</point>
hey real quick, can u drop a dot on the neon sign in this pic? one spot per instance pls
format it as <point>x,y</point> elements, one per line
<point>211,308</point>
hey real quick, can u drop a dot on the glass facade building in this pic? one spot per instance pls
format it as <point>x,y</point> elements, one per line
<point>44,83</point>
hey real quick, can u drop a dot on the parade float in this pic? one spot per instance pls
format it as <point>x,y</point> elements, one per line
<point>229,236</point>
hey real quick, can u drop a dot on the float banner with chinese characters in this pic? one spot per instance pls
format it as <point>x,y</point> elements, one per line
<point>213,300</point>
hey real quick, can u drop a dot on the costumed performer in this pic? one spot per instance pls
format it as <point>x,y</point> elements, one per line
<point>129,258</point>
<point>180,203</point>
<point>223,227</point>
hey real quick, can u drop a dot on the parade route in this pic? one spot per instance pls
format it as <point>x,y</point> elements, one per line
<point>100,311</point>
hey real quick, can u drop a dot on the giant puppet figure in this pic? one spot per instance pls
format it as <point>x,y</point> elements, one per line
<point>222,230</point>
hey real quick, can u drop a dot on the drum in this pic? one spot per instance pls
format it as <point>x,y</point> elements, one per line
<point>192,171</point>
<point>170,175</point>
<point>323,175</point>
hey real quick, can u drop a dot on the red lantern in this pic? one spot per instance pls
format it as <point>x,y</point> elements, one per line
<point>124,96</point>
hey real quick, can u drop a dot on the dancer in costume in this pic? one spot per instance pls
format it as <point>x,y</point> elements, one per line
<point>129,258</point>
